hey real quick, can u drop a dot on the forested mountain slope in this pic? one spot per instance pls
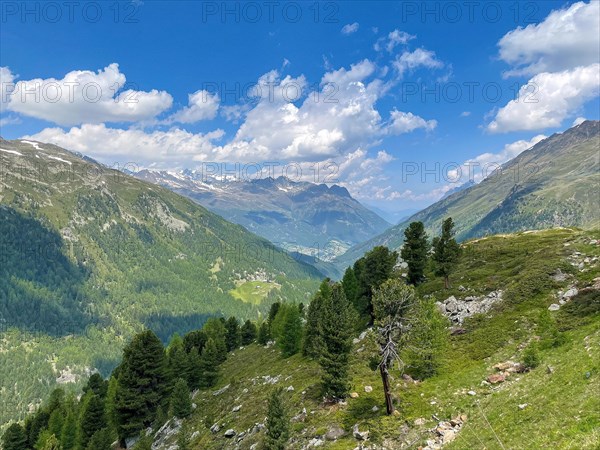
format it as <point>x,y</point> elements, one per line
<point>90,255</point>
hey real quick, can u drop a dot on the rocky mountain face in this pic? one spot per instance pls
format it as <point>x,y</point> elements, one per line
<point>553,184</point>
<point>312,219</point>
<point>89,255</point>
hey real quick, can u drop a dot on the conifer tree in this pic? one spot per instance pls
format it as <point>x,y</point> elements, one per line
<point>215,330</point>
<point>291,334</point>
<point>391,303</point>
<point>371,271</point>
<point>278,424</point>
<point>446,252</point>
<point>194,378</point>
<point>234,335</point>
<point>248,332</point>
<point>142,384</point>
<point>427,338</point>
<point>209,365</point>
<point>415,251</point>
<point>110,405</point>
<point>14,438</point>
<point>195,339</point>
<point>50,443</point>
<point>68,437</point>
<point>93,418</point>
<point>350,284</point>
<point>338,319</point>
<point>181,403</point>
<point>38,422</point>
<point>263,333</point>
<point>101,440</point>
<point>97,385</point>
<point>177,359</point>
<point>56,421</point>
<point>313,336</point>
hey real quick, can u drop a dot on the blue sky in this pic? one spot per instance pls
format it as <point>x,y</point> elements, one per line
<point>390,99</point>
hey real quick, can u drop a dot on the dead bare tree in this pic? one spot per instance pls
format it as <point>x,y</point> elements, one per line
<point>390,305</point>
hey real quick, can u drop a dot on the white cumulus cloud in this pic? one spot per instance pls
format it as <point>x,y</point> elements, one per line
<point>202,105</point>
<point>566,38</point>
<point>421,57</point>
<point>403,122</point>
<point>548,99</point>
<point>83,96</point>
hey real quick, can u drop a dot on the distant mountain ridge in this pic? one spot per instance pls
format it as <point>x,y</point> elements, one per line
<point>555,183</point>
<point>314,219</point>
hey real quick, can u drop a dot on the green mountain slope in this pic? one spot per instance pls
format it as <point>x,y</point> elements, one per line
<point>90,255</point>
<point>555,183</point>
<point>482,396</point>
<point>562,409</point>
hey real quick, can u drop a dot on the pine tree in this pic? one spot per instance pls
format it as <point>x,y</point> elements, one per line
<point>264,334</point>
<point>215,330</point>
<point>371,271</point>
<point>50,443</point>
<point>38,422</point>
<point>338,319</point>
<point>68,437</point>
<point>101,440</point>
<point>248,332</point>
<point>273,312</point>
<point>350,284</point>
<point>14,438</point>
<point>415,251</point>
<point>110,405</point>
<point>278,424</point>
<point>93,418</point>
<point>177,359</point>
<point>446,252</point>
<point>183,438</point>
<point>291,334</point>
<point>181,403</point>
<point>195,339</point>
<point>194,378</point>
<point>234,336</point>
<point>142,384</point>
<point>56,421</point>
<point>427,338</point>
<point>97,385</point>
<point>209,365</point>
<point>313,336</point>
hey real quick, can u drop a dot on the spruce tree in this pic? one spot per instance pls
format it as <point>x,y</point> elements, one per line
<point>181,403</point>
<point>215,330</point>
<point>209,364</point>
<point>38,422</point>
<point>194,378</point>
<point>14,438</point>
<point>195,339</point>
<point>97,385</point>
<point>101,440</point>
<point>371,271</point>
<point>142,384</point>
<point>177,359</point>
<point>415,251</point>
<point>264,334</point>
<point>446,252</point>
<point>291,334</point>
<point>278,424</point>
<point>234,336</point>
<point>56,421</point>
<point>248,332</point>
<point>427,338</point>
<point>93,417</point>
<point>313,335</point>
<point>273,312</point>
<point>337,322</point>
<point>68,437</point>
<point>110,405</point>
<point>50,443</point>
<point>350,284</point>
